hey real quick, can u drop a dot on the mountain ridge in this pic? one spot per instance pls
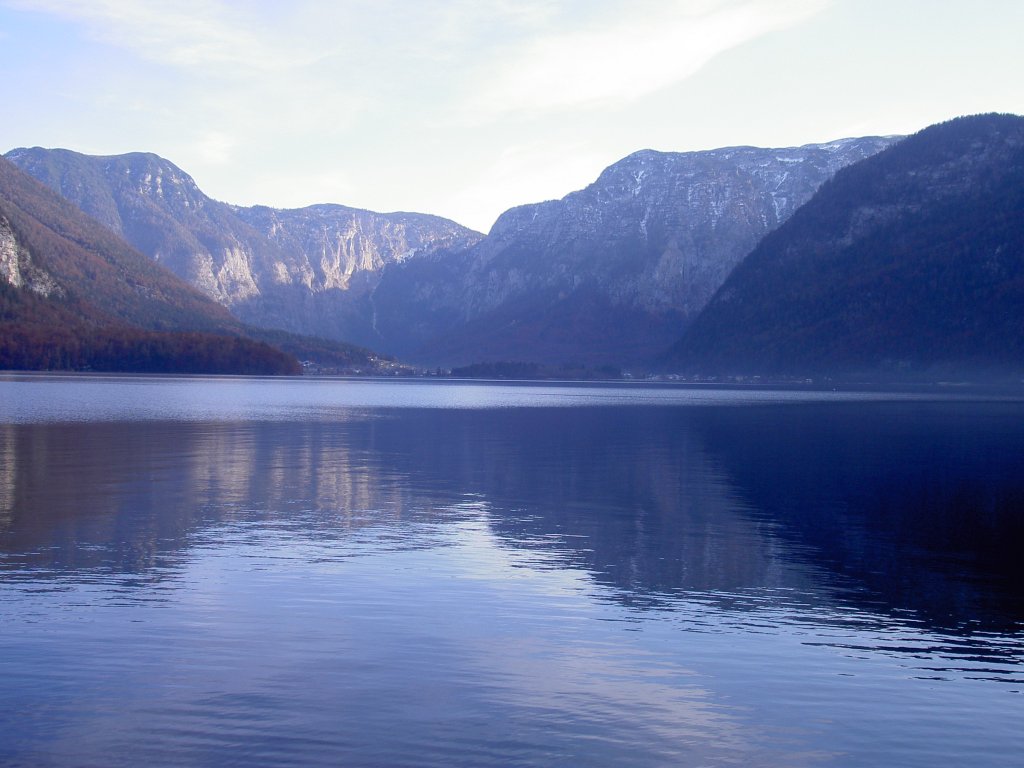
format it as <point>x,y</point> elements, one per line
<point>608,274</point>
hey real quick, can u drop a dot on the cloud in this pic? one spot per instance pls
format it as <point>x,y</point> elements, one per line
<point>190,34</point>
<point>647,49</point>
<point>215,147</point>
<point>238,70</point>
<point>271,36</point>
<point>385,103</point>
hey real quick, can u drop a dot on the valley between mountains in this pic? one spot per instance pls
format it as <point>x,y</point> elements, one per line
<point>845,257</point>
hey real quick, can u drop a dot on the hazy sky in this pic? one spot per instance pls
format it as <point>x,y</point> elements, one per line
<point>464,108</point>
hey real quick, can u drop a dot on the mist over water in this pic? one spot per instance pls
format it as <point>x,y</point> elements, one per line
<point>221,571</point>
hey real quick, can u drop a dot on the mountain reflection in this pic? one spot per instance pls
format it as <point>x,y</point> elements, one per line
<point>892,508</point>
<point>920,505</point>
<point>122,496</point>
<point>626,494</point>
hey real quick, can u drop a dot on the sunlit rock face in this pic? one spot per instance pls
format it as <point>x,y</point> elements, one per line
<point>332,259</point>
<point>611,273</point>
<point>17,268</point>
<point>10,264</point>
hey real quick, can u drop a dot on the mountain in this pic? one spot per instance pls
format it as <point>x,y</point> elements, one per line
<point>67,253</point>
<point>73,294</point>
<point>309,271</point>
<point>909,262</point>
<point>608,274</point>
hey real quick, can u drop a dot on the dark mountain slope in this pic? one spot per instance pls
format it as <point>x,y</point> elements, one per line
<point>910,261</point>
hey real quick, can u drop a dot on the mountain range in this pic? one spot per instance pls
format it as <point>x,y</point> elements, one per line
<point>610,274</point>
<point>858,255</point>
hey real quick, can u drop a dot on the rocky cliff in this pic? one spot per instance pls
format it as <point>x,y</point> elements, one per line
<point>329,260</point>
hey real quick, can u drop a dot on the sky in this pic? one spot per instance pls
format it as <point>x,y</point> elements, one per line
<point>465,108</point>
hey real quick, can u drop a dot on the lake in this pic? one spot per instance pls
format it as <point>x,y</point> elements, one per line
<point>318,572</point>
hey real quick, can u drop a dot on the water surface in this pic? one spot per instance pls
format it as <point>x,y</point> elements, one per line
<point>318,572</point>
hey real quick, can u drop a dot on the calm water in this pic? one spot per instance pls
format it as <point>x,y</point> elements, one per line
<point>212,572</point>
